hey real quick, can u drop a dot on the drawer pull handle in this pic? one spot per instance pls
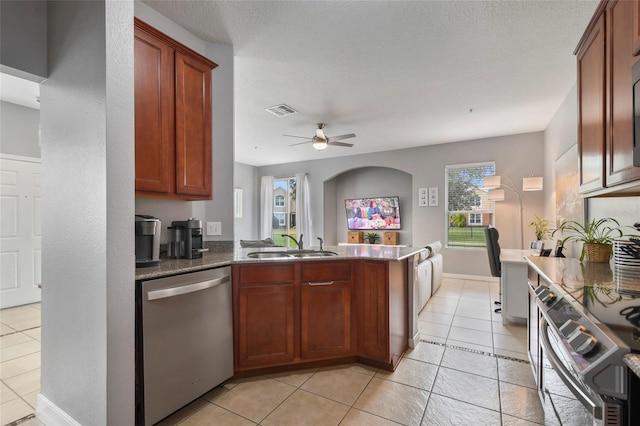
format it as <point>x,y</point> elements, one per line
<point>320,283</point>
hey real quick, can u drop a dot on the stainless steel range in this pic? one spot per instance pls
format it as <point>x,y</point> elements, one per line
<point>579,330</point>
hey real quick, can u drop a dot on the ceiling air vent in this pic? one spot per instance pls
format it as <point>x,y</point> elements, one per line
<point>281,110</point>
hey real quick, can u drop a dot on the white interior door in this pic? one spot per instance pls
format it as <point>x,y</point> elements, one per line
<point>20,230</point>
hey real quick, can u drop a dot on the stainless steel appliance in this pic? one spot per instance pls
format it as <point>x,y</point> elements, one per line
<point>187,339</point>
<point>577,337</point>
<point>147,231</point>
<point>185,239</point>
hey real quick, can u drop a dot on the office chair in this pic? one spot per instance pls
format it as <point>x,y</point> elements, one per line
<point>491,236</point>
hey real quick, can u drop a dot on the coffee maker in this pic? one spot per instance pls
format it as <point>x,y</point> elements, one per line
<point>147,240</point>
<point>185,239</point>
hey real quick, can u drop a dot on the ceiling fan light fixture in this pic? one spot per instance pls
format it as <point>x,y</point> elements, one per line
<point>319,144</point>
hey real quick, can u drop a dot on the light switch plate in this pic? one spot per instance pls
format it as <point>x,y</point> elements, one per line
<point>214,228</point>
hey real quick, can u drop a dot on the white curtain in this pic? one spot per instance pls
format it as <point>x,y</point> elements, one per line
<point>266,207</point>
<point>303,209</point>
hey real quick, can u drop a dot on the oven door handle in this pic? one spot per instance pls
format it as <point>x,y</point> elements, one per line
<point>564,373</point>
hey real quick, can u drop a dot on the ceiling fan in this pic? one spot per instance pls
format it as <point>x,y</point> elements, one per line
<point>320,141</point>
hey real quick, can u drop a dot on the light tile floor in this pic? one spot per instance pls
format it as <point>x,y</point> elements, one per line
<point>455,380</point>
<point>19,362</point>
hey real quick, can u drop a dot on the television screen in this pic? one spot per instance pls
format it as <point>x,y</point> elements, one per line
<point>373,213</point>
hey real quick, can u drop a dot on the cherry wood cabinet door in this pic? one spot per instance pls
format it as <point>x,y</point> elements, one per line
<point>193,126</point>
<point>636,28</point>
<point>154,98</point>
<point>620,27</point>
<point>374,324</point>
<point>591,109</point>
<point>326,310</point>
<point>265,327</point>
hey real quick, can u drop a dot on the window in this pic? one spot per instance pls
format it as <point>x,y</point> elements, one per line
<point>281,217</point>
<point>475,219</point>
<point>468,205</point>
<point>284,211</point>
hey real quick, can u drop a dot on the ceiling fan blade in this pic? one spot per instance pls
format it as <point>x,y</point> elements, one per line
<point>300,143</point>
<point>341,137</point>
<point>301,137</point>
<point>335,143</point>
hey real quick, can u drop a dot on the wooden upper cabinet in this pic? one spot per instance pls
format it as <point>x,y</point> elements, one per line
<point>173,117</point>
<point>619,154</point>
<point>153,113</point>
<point>193,126</point>
<point>636,28</point>
<point>591,108</point>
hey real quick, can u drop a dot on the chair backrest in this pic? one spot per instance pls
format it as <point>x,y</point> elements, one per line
<point>493,249</point>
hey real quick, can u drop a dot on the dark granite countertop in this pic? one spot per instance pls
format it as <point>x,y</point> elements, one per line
<point>633,362</point>
<point>211,260</point>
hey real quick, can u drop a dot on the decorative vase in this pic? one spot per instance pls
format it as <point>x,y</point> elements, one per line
<point>600,253</point>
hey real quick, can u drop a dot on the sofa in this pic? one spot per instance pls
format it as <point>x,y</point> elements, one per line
<point>429,272</point>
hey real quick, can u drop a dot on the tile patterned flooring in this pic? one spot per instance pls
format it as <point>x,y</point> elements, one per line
<point>455,380</point>
<point>19,362</point>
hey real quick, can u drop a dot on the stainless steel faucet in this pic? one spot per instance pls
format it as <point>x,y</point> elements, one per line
<point>298,242</point>
<point>321,243</point>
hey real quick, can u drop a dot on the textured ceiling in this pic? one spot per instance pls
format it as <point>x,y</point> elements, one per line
<point>398,74</point>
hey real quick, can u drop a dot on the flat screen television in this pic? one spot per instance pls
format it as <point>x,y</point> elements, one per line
<point>373,213</point>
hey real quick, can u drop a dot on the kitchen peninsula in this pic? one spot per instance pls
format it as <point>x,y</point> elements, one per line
<point>302,311</point>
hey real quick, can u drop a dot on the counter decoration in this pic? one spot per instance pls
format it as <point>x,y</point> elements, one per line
<point>597,237</point>
<point>372,237</point>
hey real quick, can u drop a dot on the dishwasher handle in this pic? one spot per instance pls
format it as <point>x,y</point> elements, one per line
<point>190,288</point>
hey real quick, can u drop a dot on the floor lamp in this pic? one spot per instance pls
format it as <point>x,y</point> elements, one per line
<point>494,183</point>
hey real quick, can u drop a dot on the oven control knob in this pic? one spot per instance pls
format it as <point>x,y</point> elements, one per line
<point>546,296</point>
<point>571,327</point>
<point>582,342</point>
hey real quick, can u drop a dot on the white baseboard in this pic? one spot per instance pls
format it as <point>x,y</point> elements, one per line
<point>413,341</point>
<point>471,277</point>
<point>50,414</point>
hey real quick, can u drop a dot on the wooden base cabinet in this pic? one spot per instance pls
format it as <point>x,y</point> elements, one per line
<point>173,121</point>
<point>295,313</point>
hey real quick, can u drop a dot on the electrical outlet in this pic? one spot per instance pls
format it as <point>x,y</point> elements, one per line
<point>214,228</point>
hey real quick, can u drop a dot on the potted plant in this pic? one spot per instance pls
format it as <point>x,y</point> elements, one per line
<point>372,237</point>
<point>597,236</point>
<point>542,227</point>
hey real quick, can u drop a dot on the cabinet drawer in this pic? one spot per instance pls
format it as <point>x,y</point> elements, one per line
<point>326,271</point>
<point>264,274</point>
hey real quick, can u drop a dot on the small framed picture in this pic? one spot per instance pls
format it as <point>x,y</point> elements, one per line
<point>433,196</point>
<point>536,247</point>
<point>422,197</point>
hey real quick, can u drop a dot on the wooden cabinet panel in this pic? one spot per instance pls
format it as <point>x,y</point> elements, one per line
<point>154,113</point>
<point>374,323</point>
<point>265,326</point>
<point>591,109</point>
<point>619,157</point>
<point>261,274</point>
<point>326,271</point>
<point>173,117</point>
<point>636,28</point>
<point>193,126</point>
<point>325,329</point>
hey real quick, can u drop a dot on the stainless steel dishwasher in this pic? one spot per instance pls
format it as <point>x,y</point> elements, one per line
<point>187,334</point>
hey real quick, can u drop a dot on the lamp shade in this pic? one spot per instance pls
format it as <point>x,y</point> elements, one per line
<point>532,183</point>
<point>496,195</point>
<point>490,182</point>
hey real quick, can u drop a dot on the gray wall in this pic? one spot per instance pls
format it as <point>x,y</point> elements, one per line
<point>23,39</point>
<point>19,128</point>
<point>367,182</point>
<point>245,177</point>
<point>515,155</point>
<point>87,158</point>
<point>220,209</point>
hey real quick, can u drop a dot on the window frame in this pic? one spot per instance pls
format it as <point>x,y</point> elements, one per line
<point>278,197</point>
<point>475,209</point>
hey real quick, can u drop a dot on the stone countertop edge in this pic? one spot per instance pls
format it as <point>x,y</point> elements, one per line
<point>633,362</point>
<point>210,260</point>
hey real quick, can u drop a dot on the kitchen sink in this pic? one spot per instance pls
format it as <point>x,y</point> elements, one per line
<point>289,254</point>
